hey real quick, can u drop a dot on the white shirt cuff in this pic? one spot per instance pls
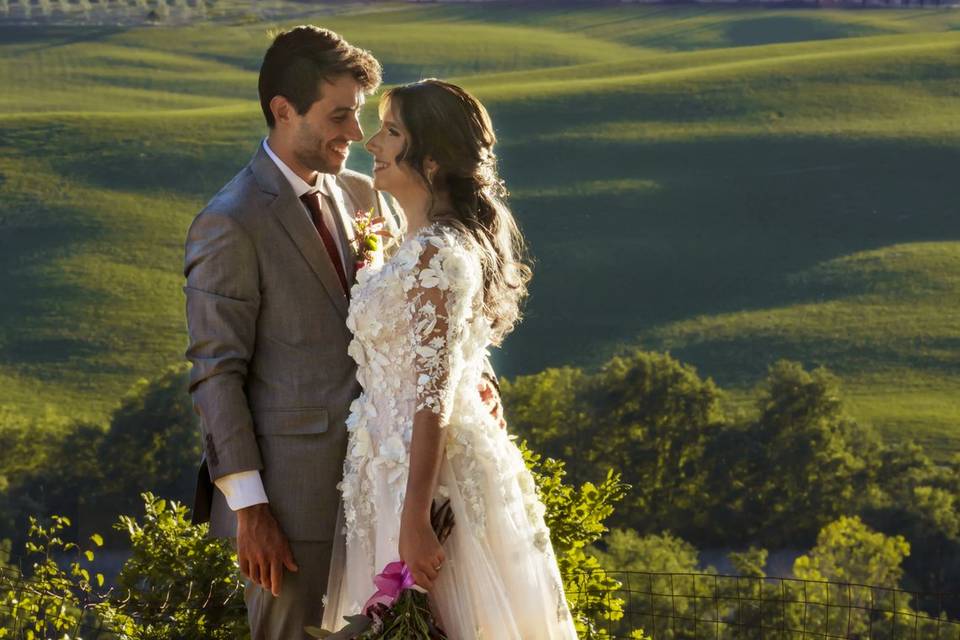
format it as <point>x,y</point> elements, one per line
<point>242,489</point>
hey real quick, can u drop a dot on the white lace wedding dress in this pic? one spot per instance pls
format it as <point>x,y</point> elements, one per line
<point>420,341</point>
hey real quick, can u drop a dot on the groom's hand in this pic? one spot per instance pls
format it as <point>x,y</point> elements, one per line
<point>491,399</point>
<point>262,549</point>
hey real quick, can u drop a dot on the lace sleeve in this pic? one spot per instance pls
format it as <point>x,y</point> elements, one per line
<point>441,286</point>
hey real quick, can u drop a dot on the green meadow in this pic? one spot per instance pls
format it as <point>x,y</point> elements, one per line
<point>732,185</point>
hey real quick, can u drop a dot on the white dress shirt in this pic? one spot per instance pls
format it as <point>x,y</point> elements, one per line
<point>300,187</point>
<point>245,488</point>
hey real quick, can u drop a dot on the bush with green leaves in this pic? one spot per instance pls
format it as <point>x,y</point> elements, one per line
<point>180,584</point>
<point>49,601</point>
<point>576,517</point>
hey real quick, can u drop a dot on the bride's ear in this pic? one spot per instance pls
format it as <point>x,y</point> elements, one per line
<point>430,168</point>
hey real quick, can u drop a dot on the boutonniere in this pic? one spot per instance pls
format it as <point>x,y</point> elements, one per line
<point>368,238</point>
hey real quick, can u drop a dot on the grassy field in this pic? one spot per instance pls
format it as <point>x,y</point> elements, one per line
<point>733,185</point>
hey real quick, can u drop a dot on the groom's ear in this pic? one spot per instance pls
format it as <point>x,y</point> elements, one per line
<point>282,109</point>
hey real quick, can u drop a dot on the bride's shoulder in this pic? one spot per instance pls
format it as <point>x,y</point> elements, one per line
<point>442,234</point>
<point>442,249</point>
<point>436,237</point>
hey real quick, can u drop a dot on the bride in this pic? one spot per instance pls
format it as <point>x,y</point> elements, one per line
<point>422,323</point>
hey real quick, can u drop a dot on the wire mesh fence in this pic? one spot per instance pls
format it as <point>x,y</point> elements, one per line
<point>666,606</point>
<point>697,606</point>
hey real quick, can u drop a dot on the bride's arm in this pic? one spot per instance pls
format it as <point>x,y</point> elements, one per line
<point>438,303</point>
<point>419,546</point>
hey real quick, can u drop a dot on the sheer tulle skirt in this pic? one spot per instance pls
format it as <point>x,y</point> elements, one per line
<point>499,585</point>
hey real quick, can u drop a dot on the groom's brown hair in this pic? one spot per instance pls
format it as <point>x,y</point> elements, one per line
<point>300,58</point>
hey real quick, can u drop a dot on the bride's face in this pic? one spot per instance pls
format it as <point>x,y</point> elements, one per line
<point>387,145</point>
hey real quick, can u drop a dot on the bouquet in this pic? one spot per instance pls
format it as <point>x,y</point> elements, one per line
<point>399,610</point>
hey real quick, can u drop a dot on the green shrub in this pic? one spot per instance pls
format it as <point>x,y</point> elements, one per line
<point>576,516</point>
<point>178,583</point>
<point>49,601</point>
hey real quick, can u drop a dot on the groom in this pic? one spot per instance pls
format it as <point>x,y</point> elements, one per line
<point>269,264</point>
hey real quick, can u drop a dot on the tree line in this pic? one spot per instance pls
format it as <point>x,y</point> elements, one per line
<point>774,478</point>
<point>643,446</point>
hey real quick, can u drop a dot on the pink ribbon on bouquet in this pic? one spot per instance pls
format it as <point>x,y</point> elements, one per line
<point>394,579</point>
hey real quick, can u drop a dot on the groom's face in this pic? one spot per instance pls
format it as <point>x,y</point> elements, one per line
<point>322,136</point>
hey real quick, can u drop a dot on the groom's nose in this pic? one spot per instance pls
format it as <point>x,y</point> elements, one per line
<point>354,133</point>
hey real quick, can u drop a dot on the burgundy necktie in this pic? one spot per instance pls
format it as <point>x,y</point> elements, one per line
<point>311,199</point>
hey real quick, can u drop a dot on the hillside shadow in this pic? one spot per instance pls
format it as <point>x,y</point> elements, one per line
<point>520,120</point>
<point>784,29</point>
<point>45,37</point>
<point>741,361</point>
<point>192,158</point>
<point>728,226</point>
<point>37,304</point>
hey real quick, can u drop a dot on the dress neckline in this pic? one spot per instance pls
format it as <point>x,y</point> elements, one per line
<point>421,230</point>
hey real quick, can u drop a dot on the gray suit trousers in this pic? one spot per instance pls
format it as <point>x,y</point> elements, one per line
<point>299,603</point>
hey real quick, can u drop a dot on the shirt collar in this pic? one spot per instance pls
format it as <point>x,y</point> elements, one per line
<point>300,186</point>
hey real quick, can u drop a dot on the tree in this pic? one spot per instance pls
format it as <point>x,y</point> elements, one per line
<point>153,443</point>
<point>801,463</point>
<point>848,551</point>
<point>643,413</point>
<point>654,416</point>
<point>659,572</point>
<point>91,474</point>
<point>626,550</point>
<point>919,499</point>
<point>750,562</point>
<point>546,409</point>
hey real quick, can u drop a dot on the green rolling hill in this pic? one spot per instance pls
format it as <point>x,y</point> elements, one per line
<point>732,185</point>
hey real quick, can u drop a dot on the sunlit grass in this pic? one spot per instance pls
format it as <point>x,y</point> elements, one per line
<point>734,186</point>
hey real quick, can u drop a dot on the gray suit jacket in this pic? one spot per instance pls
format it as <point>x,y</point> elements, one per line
<point>271,378</point>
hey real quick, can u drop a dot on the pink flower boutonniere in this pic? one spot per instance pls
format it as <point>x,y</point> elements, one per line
<point>369,235</point>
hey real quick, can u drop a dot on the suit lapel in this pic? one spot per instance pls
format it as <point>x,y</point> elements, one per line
<point>345,226</point>
<point>290,213</point>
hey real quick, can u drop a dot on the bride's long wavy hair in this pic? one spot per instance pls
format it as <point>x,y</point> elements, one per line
<point>448,125</point>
